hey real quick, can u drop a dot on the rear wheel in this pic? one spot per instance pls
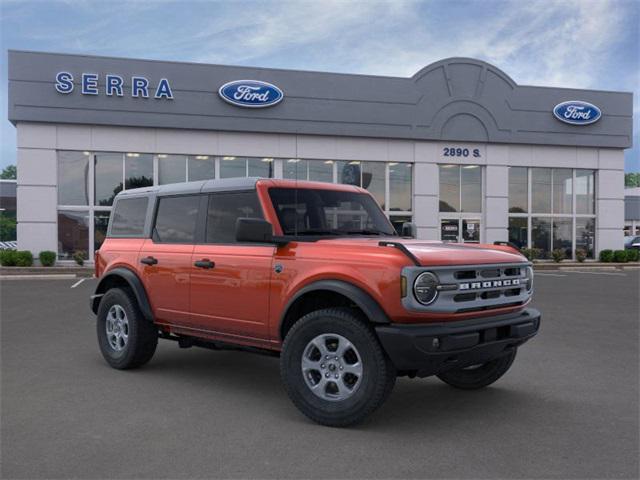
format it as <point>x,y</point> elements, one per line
<point>126,338</point>
<point>479,376</point>
<point>334,368</point>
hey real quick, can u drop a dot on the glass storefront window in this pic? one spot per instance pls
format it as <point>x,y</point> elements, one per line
<point>373,179</point>
<point>585,192</point>
<point>231,167</point>
<point>541,190</point>
<point>73,178</point>
<point>450,230</point>
<point>398,221</point>
<point>518,231</point>
<point>172,169</point>
<point>400,186</point>
<point>260,167</point>
<point>518,190</point>
<point>138,170</point>
<point>562,190</point>
<point>585,235</point>
<point>108,177</point>
<point>100,224</point>
<point>562,235</point>
<point>201,167</point>
<point>541,235</point>
<point>295,169</point>
<point>320,170</point>
<point>470,231</point>
<point>449,188</point>
<point>350,173</point>
<point>471,188</point>
<point>73,233</point>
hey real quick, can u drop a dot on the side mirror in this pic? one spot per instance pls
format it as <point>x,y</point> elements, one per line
<point>253,230</point>
<point>408,230</point>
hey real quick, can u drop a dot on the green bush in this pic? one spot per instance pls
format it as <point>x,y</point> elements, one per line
<point>620,256</point>
<point>581,254</point>
<point>633,255</point>
<point>8,258</point>
<point>47,258</point>
<point>606,256</point>
<point>24,258</point>
<point>558,255</point>
<point>79,256</point>
<point>527,252</point>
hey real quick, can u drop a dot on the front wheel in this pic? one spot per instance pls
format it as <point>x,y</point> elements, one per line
<point>334,368</point>
<point>479,376</point>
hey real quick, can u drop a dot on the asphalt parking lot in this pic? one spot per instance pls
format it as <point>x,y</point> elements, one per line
<point>567,409</point>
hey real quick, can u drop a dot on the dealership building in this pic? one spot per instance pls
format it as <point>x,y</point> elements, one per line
<point>459,149</point>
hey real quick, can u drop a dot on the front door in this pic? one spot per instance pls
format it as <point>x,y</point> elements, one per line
<point>461,229</point>
<point>165,259</point>
<point>230,281</point>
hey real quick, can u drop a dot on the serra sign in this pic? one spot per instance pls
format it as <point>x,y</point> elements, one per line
<point>113,85</point>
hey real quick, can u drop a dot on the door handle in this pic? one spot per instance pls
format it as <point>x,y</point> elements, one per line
<point>204,263</point>
<point>149,260</point>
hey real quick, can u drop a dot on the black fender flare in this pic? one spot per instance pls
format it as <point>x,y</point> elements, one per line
<point>357,295</point>
<point>133,281</point>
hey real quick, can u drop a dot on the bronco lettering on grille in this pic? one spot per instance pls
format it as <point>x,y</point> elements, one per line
<point>489,284</point>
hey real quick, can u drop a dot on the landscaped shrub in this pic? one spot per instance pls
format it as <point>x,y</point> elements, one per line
<point>606,256</point>
<point>527,252</point>
<point>79,256</point>
<point>8,258</point>
<point>581,254</point>
<point>538,253</point>
<point>47,258</point>
<point>633,255</point>
<point>24,258</point>
<point>620,256</point>
<point>558,255</point>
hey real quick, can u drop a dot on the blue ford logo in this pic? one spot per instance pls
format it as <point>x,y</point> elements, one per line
<point>250,93</point>
<point>576,112</point>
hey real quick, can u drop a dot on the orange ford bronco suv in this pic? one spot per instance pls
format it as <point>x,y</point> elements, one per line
<point>313,272</point>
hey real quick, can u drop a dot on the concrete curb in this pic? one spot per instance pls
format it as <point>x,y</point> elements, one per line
<point>586,266</point>
<point>53,276</point>
<point>46,271</point>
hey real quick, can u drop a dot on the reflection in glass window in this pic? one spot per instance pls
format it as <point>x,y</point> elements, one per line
<point>399,220</point>
<point>138,170</point>
<point>73,178</point>
<point>225,209</point>
<point>471,191</point>
<point>373,174</point>
<point>471,231</point>
<point>108,177</point>
<point>350,173</point>
<point>231,167</point>
<point>541,235</point>
<point>585,235</point>
<point>172,169</point>
<point>260,167</point>
<point>541,190</point>
<point>585,191</point>
<point>201,167</point>
<point>400,186</point>
<point>73,233</point>
<point>562,235</point>
<point>562,190</point>
<point>449,188</point>
<point>518,231</point>
<point>518,190</point>
<point>176,219</point>
<point>129,217</point>
<point>295,169</point>
<point>100,224</point>
<point>320,170</point>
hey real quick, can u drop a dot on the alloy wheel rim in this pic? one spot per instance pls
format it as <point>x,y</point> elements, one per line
<point>332,367</point>
<point>117,328</point>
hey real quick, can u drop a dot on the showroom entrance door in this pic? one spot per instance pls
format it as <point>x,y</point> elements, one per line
<point>462,229</point>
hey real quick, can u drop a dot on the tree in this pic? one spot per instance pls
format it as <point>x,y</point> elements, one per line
<point>632,180</point>
<point>9,173</point>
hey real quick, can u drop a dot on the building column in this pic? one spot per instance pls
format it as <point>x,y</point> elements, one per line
<point>426,192</point>
<point>36,195</point>
<point>610,200</point>
<point>496,203</point>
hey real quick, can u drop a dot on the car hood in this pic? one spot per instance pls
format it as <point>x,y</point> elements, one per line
<point>431,253</point>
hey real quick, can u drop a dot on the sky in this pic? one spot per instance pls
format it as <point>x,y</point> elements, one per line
<point>566,43</point>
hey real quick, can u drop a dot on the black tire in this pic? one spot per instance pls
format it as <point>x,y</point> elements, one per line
<point>142,334</point>
<point>474,378</point>
<point>375,384</point>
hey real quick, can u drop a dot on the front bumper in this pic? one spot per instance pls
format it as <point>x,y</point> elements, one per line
<point>430,349</point>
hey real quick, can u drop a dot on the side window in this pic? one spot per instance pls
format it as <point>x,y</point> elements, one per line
<point>128,217</point>
<point>176,219</point>
<point>225,209</point>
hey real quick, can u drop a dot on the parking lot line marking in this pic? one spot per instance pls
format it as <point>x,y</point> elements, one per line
<point>550,274</point>
<point>599,273</point>
<point>78,283</point>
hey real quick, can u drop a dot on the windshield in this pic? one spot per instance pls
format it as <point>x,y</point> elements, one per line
<point>328,212</point>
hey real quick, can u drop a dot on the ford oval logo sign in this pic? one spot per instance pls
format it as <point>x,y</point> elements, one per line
<point>251,93</point>
<point>577,112</point>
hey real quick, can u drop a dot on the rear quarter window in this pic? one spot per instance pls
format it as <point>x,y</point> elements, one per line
<point>176,219</point>
<point>129,217</point>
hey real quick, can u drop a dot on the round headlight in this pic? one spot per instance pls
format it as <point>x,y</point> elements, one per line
<point>425,288</point>
<point>529,279</point>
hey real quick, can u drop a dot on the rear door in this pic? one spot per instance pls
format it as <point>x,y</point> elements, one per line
<point>165,258</point>
<point>229,280</point>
